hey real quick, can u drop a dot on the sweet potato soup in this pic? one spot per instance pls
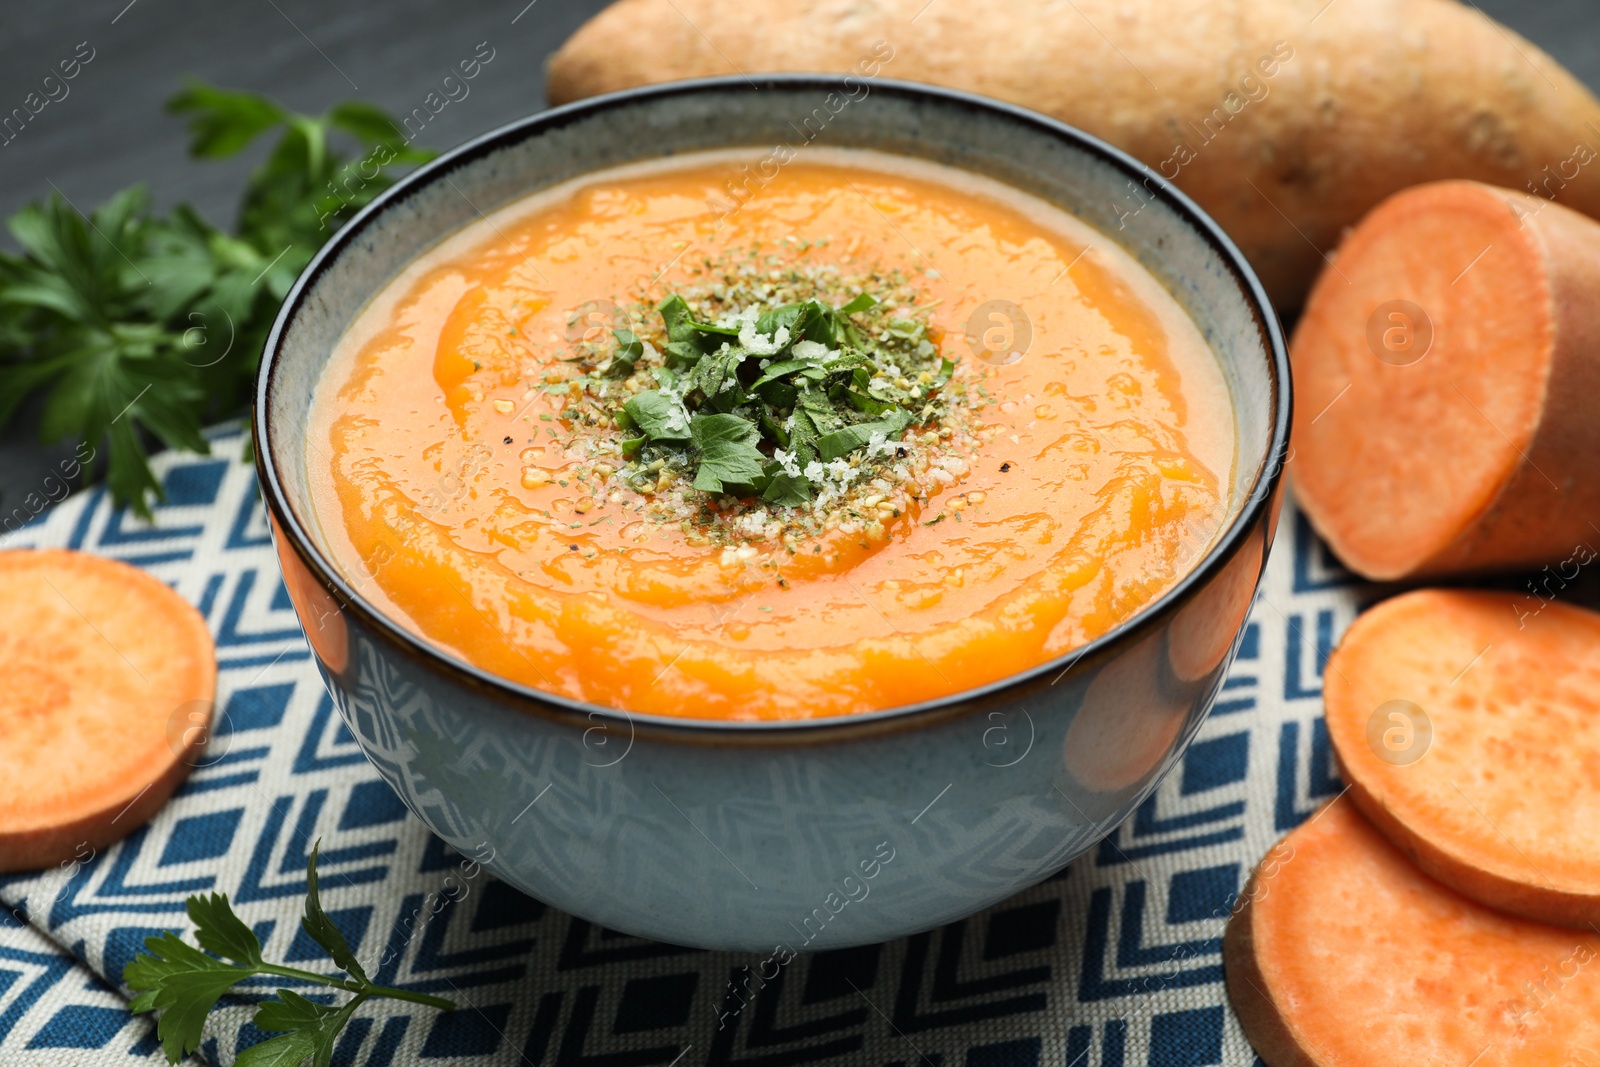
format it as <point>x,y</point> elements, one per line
<point>674,440</point>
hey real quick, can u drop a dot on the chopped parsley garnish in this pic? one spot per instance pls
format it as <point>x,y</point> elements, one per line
<point>774,402</point>
<point>767,398</point>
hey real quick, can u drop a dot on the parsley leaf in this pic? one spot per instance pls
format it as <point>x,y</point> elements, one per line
<point>683,326</point>
<point>862,302</point>
<point>716,378</point>
<point>81,300</point>
<point>219,930</point>
<point>320,928</point>
<point>659,414</point>
<point>728,453</point>
<point>182,983</point>
<point>629,349</point>
<point>843,441</point>
<point>312,1030</point>
<point>786,490</point>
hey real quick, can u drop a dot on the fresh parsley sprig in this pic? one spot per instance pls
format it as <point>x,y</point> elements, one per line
<point>138,326</point>
<point>183,983</point>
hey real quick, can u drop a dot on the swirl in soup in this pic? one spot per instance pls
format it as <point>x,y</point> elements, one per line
<point>871,433</point>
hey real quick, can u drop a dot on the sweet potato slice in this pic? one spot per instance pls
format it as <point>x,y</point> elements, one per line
<point>1444,373</point>
<point>1343,954</point>
<point>1503,804</point>
<point>109,679</point>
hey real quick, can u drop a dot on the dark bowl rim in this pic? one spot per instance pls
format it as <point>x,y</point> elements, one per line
<point>582,714</point>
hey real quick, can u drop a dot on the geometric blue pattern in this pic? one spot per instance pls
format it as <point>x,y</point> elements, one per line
<point>371,804</point>
<point>200,837</point>
<point>193,483</point>
<point>1195,896</point>
<point>1115,962</point>
<point>460,1034</point>
<point>80,1026</point>
<point>1186,1038</point>
<point>1215,762</point>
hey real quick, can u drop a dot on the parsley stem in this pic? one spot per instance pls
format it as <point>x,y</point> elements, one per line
<point>416,998</point>
<point>310,976</point>
<point>365,989</point>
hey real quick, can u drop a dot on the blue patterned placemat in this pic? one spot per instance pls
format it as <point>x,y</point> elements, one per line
<point>1115,962</point>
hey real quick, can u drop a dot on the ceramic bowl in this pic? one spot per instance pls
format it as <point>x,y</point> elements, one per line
<point>782,836</point>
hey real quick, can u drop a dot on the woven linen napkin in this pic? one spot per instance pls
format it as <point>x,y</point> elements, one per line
<point>1114,962</point>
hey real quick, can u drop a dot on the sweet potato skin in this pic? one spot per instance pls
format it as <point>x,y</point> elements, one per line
<point>1545,508</point>
<point>45,846</point>
<point>1528,900</point>
<point>1259,1015</point>
<point>1286,119</point>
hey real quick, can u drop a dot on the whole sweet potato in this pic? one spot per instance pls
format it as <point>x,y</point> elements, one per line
<point>1286,119</point>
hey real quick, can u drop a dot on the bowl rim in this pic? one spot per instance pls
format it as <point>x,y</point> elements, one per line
<point>586,715</point>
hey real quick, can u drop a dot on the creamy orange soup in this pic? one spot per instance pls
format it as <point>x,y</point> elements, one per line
<point>480,478</point>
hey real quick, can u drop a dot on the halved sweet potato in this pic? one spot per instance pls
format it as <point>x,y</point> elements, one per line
<point>1444,374</point>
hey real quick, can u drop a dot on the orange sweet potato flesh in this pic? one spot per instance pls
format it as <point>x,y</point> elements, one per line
<point>1287,120</point>
<point>1343,954</point>
<point>1475,452</point>
<point>1504,803</point>
<point>109,678</point>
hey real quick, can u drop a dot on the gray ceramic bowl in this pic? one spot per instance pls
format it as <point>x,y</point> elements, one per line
<point>786,836</point>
